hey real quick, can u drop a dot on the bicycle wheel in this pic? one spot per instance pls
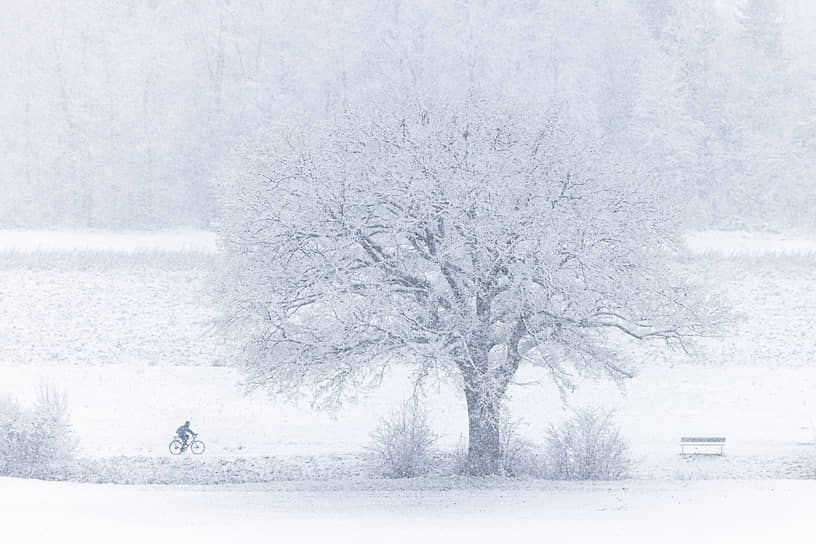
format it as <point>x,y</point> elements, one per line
<point>176,447</point>
<point>197,447</point>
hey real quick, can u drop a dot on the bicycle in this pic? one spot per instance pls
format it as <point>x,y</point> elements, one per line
<point>196,446</point>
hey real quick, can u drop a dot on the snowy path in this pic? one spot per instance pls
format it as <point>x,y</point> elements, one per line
<point>416,510</point>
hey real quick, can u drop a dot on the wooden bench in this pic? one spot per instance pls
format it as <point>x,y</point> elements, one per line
<point>702,442</point>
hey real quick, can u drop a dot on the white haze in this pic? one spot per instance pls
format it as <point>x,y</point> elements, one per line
<point>126,114</point>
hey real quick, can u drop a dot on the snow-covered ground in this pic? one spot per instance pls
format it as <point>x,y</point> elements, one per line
<point>134,350</point>
<point>420,510</point>
<point>101,240</point>
<point>106,316</point>
<point>767,415</point>
<point>750,243</point>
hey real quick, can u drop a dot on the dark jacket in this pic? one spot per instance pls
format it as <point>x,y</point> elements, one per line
<point>184,430</point>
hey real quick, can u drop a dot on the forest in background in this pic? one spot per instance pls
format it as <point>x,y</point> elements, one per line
<point>129,115</point>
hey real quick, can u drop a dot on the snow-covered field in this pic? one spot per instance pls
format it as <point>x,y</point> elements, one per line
<point>751,243</point>
<point>100,240</point>
<point>106,316</point>
<point>767,415</point>
<point>422,510</point>
<point>134,350</point>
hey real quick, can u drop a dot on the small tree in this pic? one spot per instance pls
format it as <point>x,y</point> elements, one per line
<point>458,238</point>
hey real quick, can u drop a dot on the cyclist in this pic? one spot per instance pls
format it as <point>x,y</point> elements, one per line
<point>184,433</point>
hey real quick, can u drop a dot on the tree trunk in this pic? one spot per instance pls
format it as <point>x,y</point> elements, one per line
<point>484,441</point>
<point>485,388</point>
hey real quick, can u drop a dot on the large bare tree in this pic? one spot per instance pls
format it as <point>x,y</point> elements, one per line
<point>465,239</point>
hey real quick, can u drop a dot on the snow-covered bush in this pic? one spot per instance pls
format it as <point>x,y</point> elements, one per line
<point>518,455</point>
<point>35,442</point>
<point>588,446</point>
<point>404,442</point>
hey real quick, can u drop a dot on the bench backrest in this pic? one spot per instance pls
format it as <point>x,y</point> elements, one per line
<point>699,439</point>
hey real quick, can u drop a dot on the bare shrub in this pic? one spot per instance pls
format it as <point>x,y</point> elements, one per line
<point>404,442</point>
<point>36,442</point>
<point>518,455</point>
<point>588,446</point>
<point>51,418</point>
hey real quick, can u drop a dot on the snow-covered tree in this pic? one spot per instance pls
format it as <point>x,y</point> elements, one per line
<point>762,25</point>
<point>462,239</point>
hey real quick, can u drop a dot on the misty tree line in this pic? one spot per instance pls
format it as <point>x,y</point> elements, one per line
<point>127,114</point>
